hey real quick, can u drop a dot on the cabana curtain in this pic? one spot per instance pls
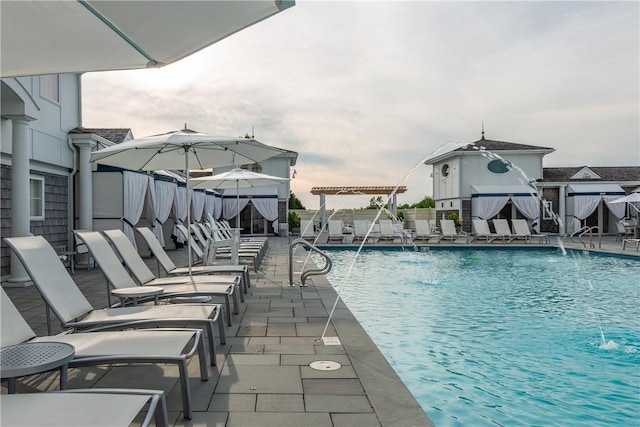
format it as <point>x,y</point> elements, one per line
<point>488,207</point>
<point>217,207</point>
<point>529,206</point>
<point>209,206</point>
<point>197,205</point>
<point>135,191</point>
<point>231,207</point>
<point>268,208</point>
<point>180,211</point>
<point>165,197</point>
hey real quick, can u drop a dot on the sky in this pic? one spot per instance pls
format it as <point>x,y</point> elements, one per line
<point>364,91</point>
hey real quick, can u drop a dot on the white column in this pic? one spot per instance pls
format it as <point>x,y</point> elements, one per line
<point>20,192</point>
<point>85,185</point>
<point>323,212</point>
<point>562,210</point>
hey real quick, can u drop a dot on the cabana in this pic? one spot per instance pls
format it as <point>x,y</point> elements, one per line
<point>124,200</point>
<point>265,201</point>
<point>584,199</point>
<point>488,200</point>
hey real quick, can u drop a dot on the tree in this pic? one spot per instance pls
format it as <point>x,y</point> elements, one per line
<point>375,203</point>
<point>427,202</point>
<point>294,202</point>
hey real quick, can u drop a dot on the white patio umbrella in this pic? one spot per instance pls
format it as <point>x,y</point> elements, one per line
<point>51,37</point>
<point>181,150</point>
<point>631,199</point>
<point>236,178</point>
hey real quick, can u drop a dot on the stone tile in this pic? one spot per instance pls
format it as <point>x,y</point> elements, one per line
<point>332,386</point>
<point>314,330</point>
<point>332,403</point>
<point>203,419</point>
<point>276,419</point>
<point>252,331</point>
<point>304,360</point>
<point>280,403</point>
<point>355,420</point>
<point>253,359</point>
<point>343,372</point>
<point>264,340</point>
<point>259,379</point>
<point>289,349</point>
<point>251,349</point>
<point>233,402</point>
<point>281,330</point>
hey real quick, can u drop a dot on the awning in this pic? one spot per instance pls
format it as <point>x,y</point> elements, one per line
<point>595,190</point>
<point>503,191</point>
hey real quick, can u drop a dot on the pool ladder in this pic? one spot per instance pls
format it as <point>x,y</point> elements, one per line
<point>589,231</point>
<point>311,271</point>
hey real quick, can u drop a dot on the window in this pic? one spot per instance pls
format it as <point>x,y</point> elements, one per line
<point>50,87</point>
<point>36,200</point>
<point>445,170</point>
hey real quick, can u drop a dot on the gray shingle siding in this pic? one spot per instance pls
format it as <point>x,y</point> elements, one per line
<point>55,226</point>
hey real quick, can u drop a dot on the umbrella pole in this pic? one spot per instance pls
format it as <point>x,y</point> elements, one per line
<point>186,168</point>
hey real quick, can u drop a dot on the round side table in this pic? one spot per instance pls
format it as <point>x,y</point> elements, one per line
<point>34,358</point>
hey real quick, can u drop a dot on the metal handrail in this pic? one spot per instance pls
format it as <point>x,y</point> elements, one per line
<point>588,230</point>
<point>312,271</point>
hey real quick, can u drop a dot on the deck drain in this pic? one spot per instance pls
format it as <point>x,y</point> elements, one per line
<point>325,365</point>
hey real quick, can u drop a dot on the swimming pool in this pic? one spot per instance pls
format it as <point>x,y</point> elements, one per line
<point>504,337</point>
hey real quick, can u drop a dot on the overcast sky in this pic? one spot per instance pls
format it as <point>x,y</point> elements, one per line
<point>364,91</point>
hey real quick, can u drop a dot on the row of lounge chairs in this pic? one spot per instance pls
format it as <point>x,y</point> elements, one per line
<point>125,334</point>
<point>426,231</point>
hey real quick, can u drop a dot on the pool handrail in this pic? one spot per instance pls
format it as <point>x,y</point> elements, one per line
<point>312,271</point>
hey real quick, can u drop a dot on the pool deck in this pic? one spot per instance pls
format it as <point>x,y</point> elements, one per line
<point>263,376</point>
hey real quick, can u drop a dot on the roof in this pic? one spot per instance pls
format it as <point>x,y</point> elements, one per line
<point>115,135</point>
<point>376,189</point>
<point>483,145</point>
<point>595,189</point>
<point>492,145</point>
<point>606,173</point>
<point>503,190</point>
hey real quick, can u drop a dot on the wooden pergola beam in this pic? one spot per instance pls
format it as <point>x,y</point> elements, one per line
<point>374,190</point>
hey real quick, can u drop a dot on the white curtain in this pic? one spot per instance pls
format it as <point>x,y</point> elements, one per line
<point>268,208</point>
<point>217,210</point>
<point>197,205</point>
<point>617,209</point>
<point>165,198</point>
<point>180,212</point>
<point>529,206</point>
<point>488,207</point>
<point>135,190</point>
<point>583,206</point>
<point>209,206</point>
<point>231,207</point>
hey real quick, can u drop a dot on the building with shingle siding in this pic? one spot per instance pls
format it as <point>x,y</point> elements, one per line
<point>489,179</point>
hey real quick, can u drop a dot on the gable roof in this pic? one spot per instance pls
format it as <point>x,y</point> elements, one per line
<point>483,145</point>
<point>116,135</point>
<point>606,173</point>
<point>493,145</point>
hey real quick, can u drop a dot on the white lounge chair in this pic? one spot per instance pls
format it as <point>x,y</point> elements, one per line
<point>176,286</point>
<point>631,242</point>
<point>502,228</point>
<point>423,230</point>
<point>171,269</point>
<point>74,311</point>
<point>449,232</point>
<point>307,231</point>
<point>362,231</point>
<point>521,228</point>
<point>481,231</point>
<point>335,231</point>
<point>388,231</point>
<point>163,346</point>
<point>85,408</point>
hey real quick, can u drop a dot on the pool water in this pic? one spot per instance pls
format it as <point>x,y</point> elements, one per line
<point>504,337</point>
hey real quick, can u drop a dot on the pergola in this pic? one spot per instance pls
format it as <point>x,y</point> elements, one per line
<point>376,190</point>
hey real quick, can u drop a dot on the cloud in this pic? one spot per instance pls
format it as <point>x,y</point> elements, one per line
<point>365,90</point>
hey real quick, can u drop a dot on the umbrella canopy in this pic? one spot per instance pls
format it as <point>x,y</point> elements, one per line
<point>51,37</point>
<point>183,149</point>
<point>180,149</point>
<point>235,178</point>
<point>630,198</point>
